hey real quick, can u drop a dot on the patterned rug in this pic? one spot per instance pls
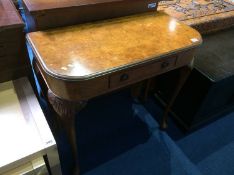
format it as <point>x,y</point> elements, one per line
<point>190,9</point>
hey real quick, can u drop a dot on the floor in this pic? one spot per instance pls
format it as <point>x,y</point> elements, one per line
<point>118,135</point>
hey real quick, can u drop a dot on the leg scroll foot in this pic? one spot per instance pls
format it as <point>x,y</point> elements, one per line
<point>66,111</point>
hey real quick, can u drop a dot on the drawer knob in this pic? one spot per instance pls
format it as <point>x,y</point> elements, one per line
<point>124,77</point>
<point>164,65</point>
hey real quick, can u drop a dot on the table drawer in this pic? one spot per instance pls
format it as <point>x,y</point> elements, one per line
<point>142,72</point>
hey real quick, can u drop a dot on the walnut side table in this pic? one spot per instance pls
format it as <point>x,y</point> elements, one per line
<point>78,63</point>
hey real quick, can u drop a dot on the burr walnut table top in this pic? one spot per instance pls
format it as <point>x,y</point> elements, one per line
<point>93,49</point>
<point>9,16</point>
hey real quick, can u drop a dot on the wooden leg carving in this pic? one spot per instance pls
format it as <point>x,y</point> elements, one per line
<point>66,111</point>
<point>184,74</point>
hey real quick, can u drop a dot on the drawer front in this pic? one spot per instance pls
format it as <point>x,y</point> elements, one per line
<point>148,70</point>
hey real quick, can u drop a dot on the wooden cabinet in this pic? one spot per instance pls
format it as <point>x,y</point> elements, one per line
<point>44,14</point>
<point>13,55</point>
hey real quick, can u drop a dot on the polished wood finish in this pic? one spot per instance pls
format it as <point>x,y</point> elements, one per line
<point>45,14</point>
<point>89,53</point>
<point>90,50</point>
<point>81,62</point>
<point>13,55</point>
<point>9,17</point>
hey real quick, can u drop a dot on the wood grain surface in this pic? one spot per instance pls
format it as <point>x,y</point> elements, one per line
<point>9,17</point>
<point>89,50</point>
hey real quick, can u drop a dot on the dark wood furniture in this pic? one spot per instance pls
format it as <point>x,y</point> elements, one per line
<point>80,62</point>
<point>209,91</point>
<point>13,55</point>
<point>44,14</point>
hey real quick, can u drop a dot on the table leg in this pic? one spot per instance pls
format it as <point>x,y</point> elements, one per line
<point>66,111</point>
<point>136,90</point>
<point>184,74</point>
<point>141,90</point>
<point>146,90</point>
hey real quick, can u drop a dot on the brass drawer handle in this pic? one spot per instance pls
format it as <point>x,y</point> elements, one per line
<point>124,77</point>
<point>165,65</point>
